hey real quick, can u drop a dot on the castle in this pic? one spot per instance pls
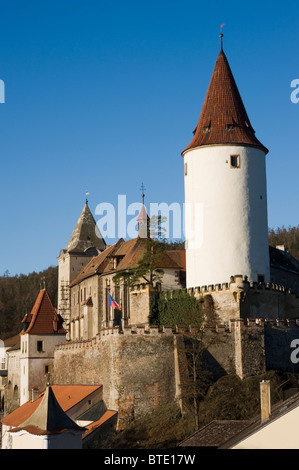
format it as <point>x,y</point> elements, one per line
<point>253,288</point>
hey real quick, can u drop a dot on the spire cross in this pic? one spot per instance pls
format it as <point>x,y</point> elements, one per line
<point>142,189</point>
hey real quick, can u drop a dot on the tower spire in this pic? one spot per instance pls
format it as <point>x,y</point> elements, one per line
<point>223,118</point>
<point>143,219</point>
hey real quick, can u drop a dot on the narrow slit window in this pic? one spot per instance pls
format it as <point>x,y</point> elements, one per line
<point>235,161</point>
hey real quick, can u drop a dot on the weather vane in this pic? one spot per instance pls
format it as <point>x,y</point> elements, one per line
<point>221,34</point>
<point>87,194</point>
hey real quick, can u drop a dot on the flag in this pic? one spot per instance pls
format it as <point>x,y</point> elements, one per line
<point>113,303</point>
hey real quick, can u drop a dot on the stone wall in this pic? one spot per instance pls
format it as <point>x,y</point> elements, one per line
<point>242,299</point>
<point>142,369</point>
<point>136,369</point>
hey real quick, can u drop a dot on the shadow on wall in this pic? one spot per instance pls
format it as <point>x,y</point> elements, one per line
<point>282,349</point>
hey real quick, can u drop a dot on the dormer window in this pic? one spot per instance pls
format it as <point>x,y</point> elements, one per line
<point>229,127</point>
<point>206,129</point>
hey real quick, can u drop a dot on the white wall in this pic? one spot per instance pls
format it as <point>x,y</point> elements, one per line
<point>228,215</point>
<point>281,433</point>
<point>33,362</point>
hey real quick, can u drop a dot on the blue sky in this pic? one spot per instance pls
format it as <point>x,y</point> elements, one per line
<point>102,96</point>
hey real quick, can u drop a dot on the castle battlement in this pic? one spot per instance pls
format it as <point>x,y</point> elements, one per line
<point>239,282</point>
<point>154,330</point>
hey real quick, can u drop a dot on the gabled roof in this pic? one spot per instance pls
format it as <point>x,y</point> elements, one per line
<point>48,418</point>
<point>43,318</point>
<point>223,119</point>
<point>95,425</point>
<point>128,253</point>
<point>97,264</point>
<point>224,434</point>
<point>12,343</point>
<point>136,249</point>
<point>67,396</point>
<point>86,234</point>
<point>215,433</point>
<point>278,410</point>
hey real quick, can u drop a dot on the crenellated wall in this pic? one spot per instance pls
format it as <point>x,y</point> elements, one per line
<point>242,299</point>
<point>143,367</point>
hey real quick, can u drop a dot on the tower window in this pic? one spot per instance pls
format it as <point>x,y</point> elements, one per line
<point>39,346</point>
<point>186,169</point>
<point>235,161</point>
<point>229,127</point>
<point>206,129</point>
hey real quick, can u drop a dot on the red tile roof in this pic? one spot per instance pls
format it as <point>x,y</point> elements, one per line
<point>90,428</point>
<point>43,318</point>
<point>223,107</point>
<point>129,253</point>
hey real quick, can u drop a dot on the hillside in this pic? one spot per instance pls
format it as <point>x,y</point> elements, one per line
<point>289,237</point>
<point>228,398</point>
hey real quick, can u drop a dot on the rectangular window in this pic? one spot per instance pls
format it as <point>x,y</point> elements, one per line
<point>186,169</point>
<point>235,161</point>
<point>39,346</point>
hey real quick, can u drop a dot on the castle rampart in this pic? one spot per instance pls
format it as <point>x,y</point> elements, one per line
<point>142,368</point>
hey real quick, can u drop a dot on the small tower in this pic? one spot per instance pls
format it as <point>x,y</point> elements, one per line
<point>86,242</point>
<point>42,330</point>
<point>225,189</point>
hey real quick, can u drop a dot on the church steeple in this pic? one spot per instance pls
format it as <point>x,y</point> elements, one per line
<point>223,119</point>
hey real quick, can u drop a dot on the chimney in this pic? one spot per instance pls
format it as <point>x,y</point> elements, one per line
<point>265,399</point>
<point>34,394</point>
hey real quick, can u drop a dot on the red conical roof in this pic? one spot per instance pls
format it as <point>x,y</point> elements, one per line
<point>43,318</point>
<point>223,118</point>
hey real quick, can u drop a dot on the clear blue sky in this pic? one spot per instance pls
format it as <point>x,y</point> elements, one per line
<point>102,96</point>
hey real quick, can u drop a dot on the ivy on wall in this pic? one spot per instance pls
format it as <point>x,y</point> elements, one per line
<point>177,307</point>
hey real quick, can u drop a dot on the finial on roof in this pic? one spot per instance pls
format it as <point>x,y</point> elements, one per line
<point>221,40</point>
<point>43,283</point>
<point>48,380</point>
<point>87,194</point>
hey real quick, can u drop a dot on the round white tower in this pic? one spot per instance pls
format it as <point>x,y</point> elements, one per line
<point>225,190</point>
